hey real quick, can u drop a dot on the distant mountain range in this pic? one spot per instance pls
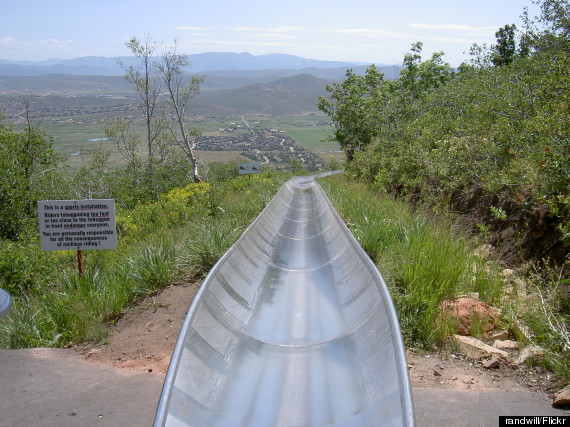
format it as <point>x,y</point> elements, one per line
<point>272,84</point>
<point>200,63</point>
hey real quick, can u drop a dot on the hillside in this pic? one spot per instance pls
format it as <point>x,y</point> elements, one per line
<point>290,95</point>
<point>116,85</point>
<point>62,84</point>
<point>53,97</point>
<point>227,79</point>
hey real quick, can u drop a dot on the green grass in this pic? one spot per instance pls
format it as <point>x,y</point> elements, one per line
<point>72,138</point>
<point>313,138</point>
<point>211,239</point>
<point>184,233</point>
<point>179,237</point>
<point>423,259</point>
<point>543,308</point>
<point>75,309</point>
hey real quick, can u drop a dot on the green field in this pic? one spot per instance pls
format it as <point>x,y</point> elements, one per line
<point>75,139</point>
<point>309,131</point>
<point>313,139</point>
<point>72,137</point>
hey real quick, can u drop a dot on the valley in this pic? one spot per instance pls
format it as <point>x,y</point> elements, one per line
<point>71,100</point>
<point>275,122</point>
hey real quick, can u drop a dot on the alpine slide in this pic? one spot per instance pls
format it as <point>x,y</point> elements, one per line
<point>294,326</point>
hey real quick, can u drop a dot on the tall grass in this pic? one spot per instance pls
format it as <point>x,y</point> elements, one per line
<point>423,259</point>
<point>80,308</point>
<point>181,236</point>
<point>154,267</point>
<point>211,239</point>
<point>543,308</point>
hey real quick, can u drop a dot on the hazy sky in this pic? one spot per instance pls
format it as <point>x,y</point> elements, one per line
<point>376,31</point>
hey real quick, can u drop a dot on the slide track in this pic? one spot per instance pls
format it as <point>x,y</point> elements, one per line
<point>294,326</point>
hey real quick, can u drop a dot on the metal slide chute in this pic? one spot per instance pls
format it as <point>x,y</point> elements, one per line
<point>5,302</point>
<point>294,326</point>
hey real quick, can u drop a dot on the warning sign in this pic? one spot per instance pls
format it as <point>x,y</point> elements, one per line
<point>77,224</point>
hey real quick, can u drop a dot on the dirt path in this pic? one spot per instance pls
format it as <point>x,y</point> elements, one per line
<point>144,338</point>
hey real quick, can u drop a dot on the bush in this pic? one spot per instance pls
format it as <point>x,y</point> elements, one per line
<point>24,267</point>
<point>497,129</point>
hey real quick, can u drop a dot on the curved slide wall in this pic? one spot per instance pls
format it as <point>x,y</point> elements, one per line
<point>5,302</point>
<point>294,326</point>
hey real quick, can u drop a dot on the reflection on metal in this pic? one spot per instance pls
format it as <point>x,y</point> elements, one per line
<point>5,302</point>
<point>294,326</point>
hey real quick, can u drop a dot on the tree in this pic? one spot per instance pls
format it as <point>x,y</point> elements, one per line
<point>28,165</point>
<point>119,130</point>
<point>166,117</point>
<point>367,109</point>
<point>143,77</point>
<point>93,179</point>
<point>505,51</point>
<point>352,108</point>
<point>180,91</point>
<point>419,77</point>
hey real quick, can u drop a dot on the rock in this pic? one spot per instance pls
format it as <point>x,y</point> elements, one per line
<point>506,344</point>
<point>530,352</point>
<point>521,331</point>
<point>507,272</point>
<point>500,335</point>
<point>509,290</point>
<point>92,352</point>
<point>492,363</point>
<point>477,349</point>
<point>497,311</point>
<point>521,289</point>
<point>437,373</point>
<point>484,251</point>
<point>562,398</point>
<point>465,310</point>
<point>473,295</point>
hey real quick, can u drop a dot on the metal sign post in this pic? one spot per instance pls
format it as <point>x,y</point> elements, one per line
<point>80,262</point>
